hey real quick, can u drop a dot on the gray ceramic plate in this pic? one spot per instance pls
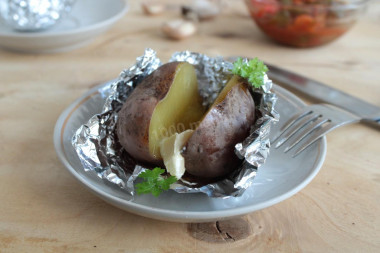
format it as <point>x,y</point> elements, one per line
<point>278,179</point>
<point>88,19</point>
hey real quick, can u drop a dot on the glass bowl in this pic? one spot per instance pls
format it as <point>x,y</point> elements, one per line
<point>305,23</point>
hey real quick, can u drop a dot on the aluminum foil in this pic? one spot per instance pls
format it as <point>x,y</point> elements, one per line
<point>32,15</point>
<point>100,152</point>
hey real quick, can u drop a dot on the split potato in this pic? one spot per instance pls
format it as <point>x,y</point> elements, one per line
<point>165,102</point>
<point>164,123</point>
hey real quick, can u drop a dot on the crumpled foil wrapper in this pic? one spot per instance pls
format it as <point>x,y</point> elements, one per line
<point>31,15</point>
<point>99,150</point>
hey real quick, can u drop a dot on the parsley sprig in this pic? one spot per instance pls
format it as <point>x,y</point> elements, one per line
<point>253,70</point>
<point>154,182</point>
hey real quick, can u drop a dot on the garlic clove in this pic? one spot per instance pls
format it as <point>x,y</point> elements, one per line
<point>153,7</point>
<point>170,148</point>
<point>179,29</point>
<point>201,10</point>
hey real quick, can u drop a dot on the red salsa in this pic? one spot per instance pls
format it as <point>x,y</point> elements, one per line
<point>302,23</point>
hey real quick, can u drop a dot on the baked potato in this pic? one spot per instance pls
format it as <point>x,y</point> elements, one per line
<point>163,122</point>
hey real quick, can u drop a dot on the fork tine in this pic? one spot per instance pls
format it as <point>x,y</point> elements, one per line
<point>302,122</point>
<point>310,125</point>
<point>319,133</point>
<point>345,119</point>
<point>319,122</point>
<point>290,122</point>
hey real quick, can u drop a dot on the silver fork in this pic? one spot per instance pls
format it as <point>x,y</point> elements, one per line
<point>312,123</point>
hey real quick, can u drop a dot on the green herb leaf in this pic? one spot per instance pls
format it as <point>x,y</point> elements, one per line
<point>154,183</point>
<point>252,70</point>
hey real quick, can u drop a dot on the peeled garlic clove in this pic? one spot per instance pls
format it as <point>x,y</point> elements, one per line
<point>170,148</point>
<point>153,8</point>
<point>201,9</point>
<point>179,29</point>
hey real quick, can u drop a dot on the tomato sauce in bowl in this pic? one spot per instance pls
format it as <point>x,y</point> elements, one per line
<point>305,23</point>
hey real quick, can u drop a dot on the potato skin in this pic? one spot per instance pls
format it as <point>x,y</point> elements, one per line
<point>209,152</point>
<point>134,117</point>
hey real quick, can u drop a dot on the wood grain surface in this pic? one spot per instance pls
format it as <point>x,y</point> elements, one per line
<point>44,209</point>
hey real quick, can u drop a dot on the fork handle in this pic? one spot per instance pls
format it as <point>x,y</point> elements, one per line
<point>367,112</point>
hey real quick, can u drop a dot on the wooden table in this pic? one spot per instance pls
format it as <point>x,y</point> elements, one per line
<point>45,209</point>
